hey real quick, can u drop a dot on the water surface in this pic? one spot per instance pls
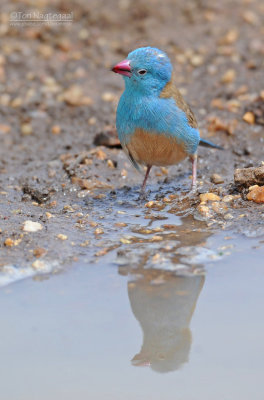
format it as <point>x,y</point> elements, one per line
<point>102,332</point>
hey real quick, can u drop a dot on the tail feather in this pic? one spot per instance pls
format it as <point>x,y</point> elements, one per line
<point>207,143</point>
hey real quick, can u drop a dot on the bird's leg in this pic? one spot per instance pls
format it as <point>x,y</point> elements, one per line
<point>194,172</point>
<point>145,179</point>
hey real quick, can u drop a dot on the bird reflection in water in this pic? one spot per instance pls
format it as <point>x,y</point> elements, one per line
<point>163,302</point>
<point>164,310</point>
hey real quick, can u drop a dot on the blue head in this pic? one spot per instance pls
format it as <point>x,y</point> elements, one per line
<point>146,70</point>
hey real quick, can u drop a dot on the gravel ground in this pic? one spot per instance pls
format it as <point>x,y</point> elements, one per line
<point>60,162</point>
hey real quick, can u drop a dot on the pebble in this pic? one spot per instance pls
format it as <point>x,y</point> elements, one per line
<point>120,224</point>
<point>204,197</point>
<point>26,129</point>
<point>49,215</point>
<point>125,241</point>
<point>219,207</point>
<point>249,117</point>
<point>5,128</point>
<point>217,179</point>
<point>108,97</point>
<point>9,242</point>
<point>85,243</point>
<point>39,252</point>
<point>31,226</point>
<point>61,236</point>
<point>74,96</point>
<point>228,76</point>
<point>230,37</point>
<point>256,194</point>
<point>197,60</point>
<point>228,216</point>
<point>204,210</point>
<point>156,238</point>
<point>216,124</point>
<point>39,265</point>
<point>228,198</point>
<point>110,164</point>
<point>56,129</point>
<point>99,231</point>
<point>152,204</point>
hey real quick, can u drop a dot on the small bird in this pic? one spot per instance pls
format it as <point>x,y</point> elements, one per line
<point>155,125</point>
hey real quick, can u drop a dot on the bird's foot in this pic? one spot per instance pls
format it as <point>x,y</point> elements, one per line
<point>143,195</point>
<point>189,195</point>
<point>194,189</point>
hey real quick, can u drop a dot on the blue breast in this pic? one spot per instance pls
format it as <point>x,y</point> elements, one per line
<point>157,115</point>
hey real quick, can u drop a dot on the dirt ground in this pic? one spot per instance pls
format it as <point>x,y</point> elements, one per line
<point>60,162</point>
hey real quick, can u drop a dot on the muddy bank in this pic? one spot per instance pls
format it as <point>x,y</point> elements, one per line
<point>57,96</point>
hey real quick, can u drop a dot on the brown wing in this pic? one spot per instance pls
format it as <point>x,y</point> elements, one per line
<point>170,90</point>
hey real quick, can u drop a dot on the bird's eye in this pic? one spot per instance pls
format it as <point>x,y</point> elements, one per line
<point>142,71</point>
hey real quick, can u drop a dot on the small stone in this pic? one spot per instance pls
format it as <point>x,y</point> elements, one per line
<point>49,215</point>
<point>230,37</point>
<point>84,34</point>
<point>228,76</point>
<point>204,211</point>
<point>56,129</point>
<point>120,224</point>
<point>92,121</point>
<point>204,197</point>
<point>250,17</point>
<point>68,208</point>
<point>39,265</point>
<point>256,194</point>
<point>85,243</point>
<point>26,129</point>
<point>45,50</point>
<point>108,97</point>
<point>31,226</point>
<point>156,238</point>
<point>197,60</point>
<point>110,164</point>
<point>102,252</point>
<point>219,207</point>
<point>164,170</point>
<point>217,179</point>
<point>228,198</point>
<point>9,242</point>
<point>249,117</point>
<point>99,231</point>
<point>100,154</point>
<point>17,102</point>
<point>61,236</point>
<point>216,124</point>
<point>4,128</point>
<point>125,241</point>
<point>150,204</point>
<point>228,216</point>
<point>253,187</point>
<point>74,96</point>
<point>39,252</point>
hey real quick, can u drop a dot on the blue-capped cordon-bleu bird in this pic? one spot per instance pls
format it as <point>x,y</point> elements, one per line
<point>155,125</point>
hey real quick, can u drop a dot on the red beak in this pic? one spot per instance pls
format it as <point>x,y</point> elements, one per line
<point>123,68</point>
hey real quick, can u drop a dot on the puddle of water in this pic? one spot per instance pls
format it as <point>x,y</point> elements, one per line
<point>84,333</point>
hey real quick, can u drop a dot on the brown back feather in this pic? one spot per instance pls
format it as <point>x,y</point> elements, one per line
<point>169,91</point>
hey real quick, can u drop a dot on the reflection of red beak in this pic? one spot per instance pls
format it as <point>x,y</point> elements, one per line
<point>123,68</point>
